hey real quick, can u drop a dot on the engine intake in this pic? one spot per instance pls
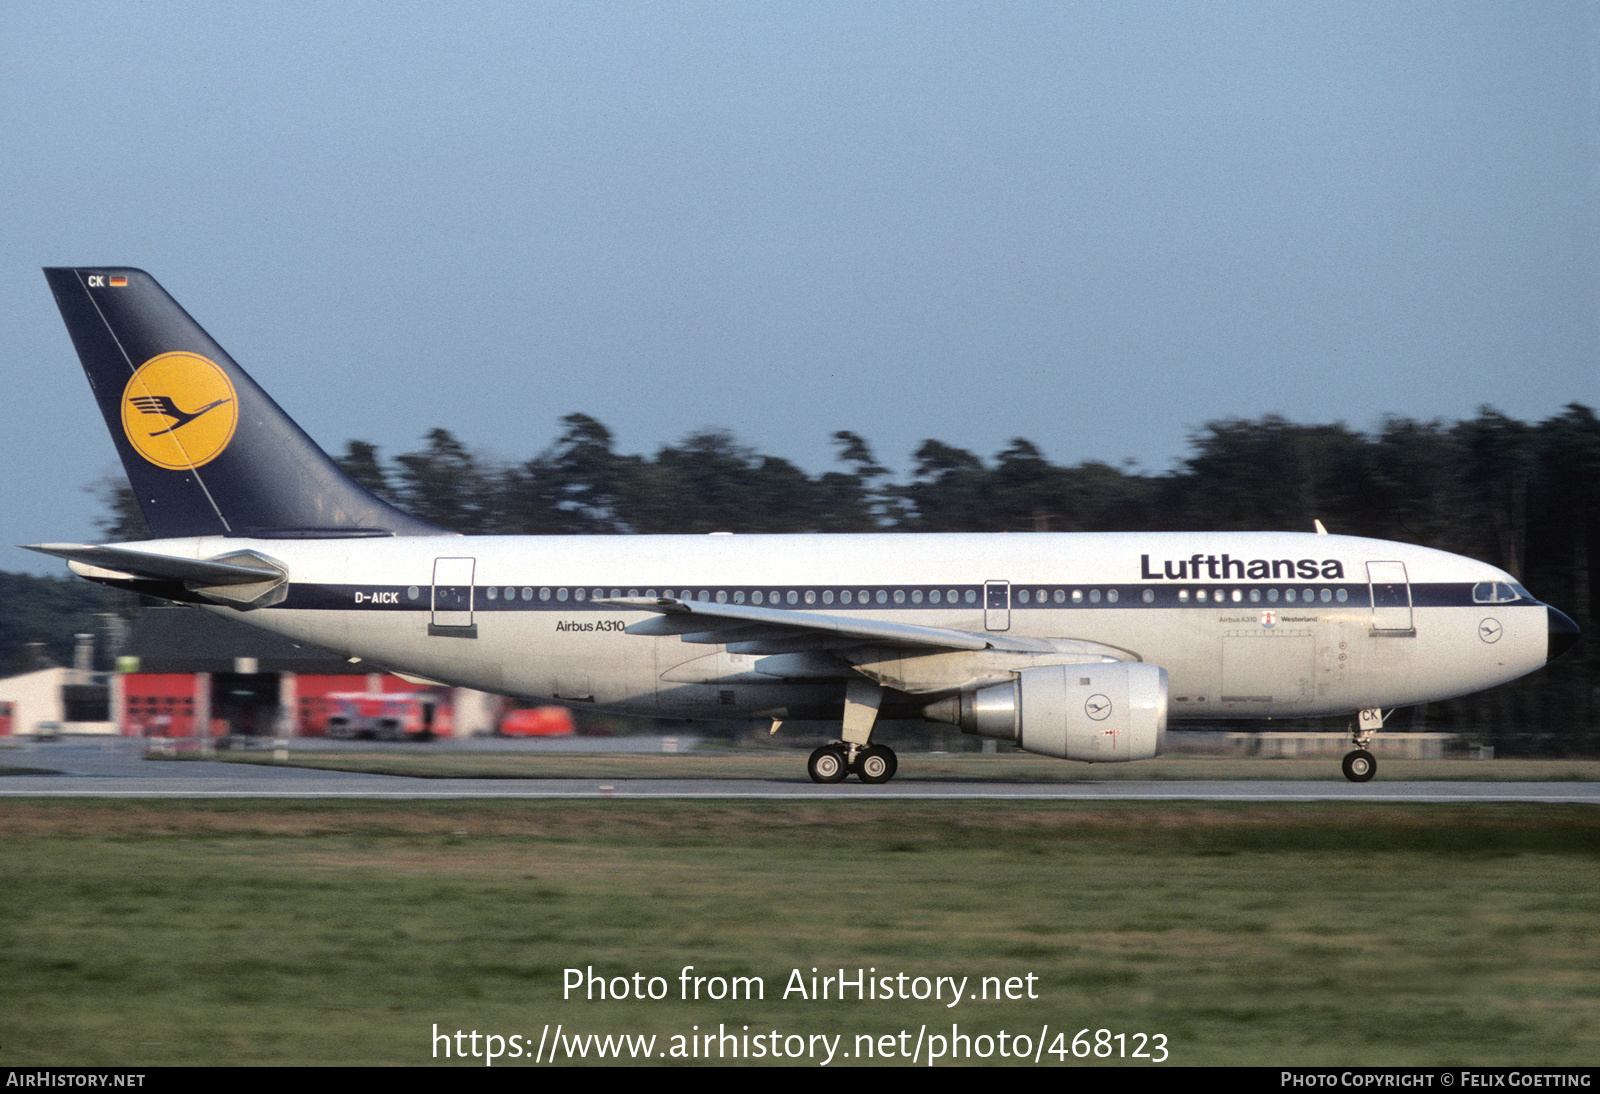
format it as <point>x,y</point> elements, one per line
<point>1100,713</point>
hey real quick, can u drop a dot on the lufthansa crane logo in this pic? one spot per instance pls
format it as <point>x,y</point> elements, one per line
<point>179,411</point>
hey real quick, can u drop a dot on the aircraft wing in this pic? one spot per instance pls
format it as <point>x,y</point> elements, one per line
<point>744,628</point>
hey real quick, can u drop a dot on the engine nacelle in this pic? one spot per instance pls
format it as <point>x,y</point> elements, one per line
<point>1101,713</point>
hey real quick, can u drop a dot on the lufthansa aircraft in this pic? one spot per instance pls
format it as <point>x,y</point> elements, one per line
<point>1077,646</point>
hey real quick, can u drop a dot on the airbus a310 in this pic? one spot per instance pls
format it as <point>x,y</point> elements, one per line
<point>1078,646</point>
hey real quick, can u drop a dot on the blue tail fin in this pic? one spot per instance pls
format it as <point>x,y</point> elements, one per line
<point>206,450</point>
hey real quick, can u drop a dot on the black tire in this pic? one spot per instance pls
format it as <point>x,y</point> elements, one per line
<point>876,764</point>
<point>827,765</point>
<point>1360,766</point>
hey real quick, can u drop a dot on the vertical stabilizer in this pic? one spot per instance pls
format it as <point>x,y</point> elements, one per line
<point>206,450</point>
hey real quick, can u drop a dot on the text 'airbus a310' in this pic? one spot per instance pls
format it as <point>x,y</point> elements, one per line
<point>1077,646</point>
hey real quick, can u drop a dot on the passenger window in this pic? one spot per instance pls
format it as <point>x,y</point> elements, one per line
<point>916,596</point>
<point>1255,596</point>
<point>1077,596</point>
<point>1094,596</point>
<point>1148,596</point>
<point>972,595</point>
<point>811,596</point>
<point>845,597</point>
<point>1060,596</point>
<point>792,597</point>
<point>1200,595</point>
<point>1183,596</point>
<point>827,596</point>
<point>899,596</point>
<point>1342,595</point>
<point>494,592</point>
<point>722,596</point>
<point>933,596</point>
<point>561,595</point>
<point>1023,596</point>
<point>1111,595</point>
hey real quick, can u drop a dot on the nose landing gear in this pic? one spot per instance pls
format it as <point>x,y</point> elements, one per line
<point>1360,765</point>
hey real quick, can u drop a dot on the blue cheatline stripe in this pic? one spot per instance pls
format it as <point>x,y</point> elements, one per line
<point>411,598</point>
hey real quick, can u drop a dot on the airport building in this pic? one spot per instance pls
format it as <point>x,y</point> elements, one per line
<point>182,672</point>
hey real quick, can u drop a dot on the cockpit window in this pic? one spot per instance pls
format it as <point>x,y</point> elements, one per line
<point>1496,592</point>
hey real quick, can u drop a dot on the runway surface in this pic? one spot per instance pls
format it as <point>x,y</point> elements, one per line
<point>118,770</point>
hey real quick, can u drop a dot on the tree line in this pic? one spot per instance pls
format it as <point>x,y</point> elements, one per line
<point>1520,495</point>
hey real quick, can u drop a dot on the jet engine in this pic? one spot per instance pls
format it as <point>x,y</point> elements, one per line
<point>1100,713</point>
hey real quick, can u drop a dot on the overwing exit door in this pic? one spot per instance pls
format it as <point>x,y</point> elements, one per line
<point>997,605</point>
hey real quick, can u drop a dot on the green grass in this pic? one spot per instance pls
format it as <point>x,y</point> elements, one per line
<point>141,933</point>
<point>421,762</point>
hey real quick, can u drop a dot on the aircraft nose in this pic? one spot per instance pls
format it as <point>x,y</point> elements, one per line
<point>1563,634</point>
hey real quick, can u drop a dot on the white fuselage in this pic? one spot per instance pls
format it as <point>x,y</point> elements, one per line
<point>1245,624</point>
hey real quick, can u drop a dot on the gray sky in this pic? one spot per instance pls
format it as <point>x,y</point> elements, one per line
<point>1096,226</point>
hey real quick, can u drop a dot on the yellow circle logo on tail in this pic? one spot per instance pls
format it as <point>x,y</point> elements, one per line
<point>179,411</point>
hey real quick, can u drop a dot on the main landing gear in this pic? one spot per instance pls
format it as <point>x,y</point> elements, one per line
<point>856,754</point>
<point>870,763</point>
<point>1360,765</point>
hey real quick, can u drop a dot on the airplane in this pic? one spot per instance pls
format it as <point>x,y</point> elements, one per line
<point>1072,645</point>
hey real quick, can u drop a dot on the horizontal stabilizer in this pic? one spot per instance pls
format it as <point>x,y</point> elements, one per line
<point>241,579</point>
<point>149,565</point>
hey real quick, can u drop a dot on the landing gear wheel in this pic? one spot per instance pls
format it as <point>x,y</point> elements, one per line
<point>1359,766</point>
<point>827,765</point>
<point>876,764</point>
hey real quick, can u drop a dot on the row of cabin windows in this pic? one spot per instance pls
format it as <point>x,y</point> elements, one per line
<point>1290,596</point>
<point>916,596</point>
